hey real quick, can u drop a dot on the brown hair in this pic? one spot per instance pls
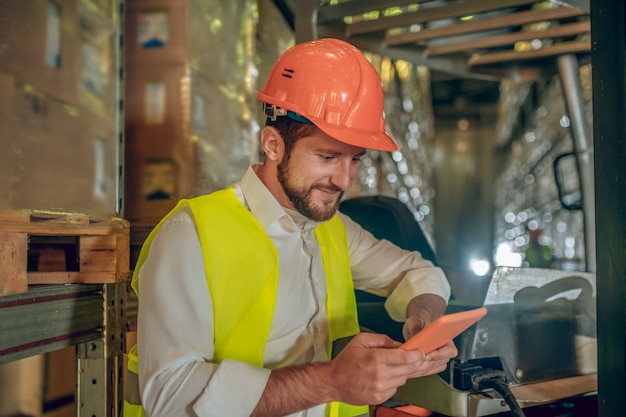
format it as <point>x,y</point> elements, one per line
<point>290,130</point>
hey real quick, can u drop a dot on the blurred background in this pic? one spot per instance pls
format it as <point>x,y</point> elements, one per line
<point>115,108</point>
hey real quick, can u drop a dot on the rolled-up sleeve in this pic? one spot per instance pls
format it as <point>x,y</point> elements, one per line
<point>175,335</point>
<point>381,267</point>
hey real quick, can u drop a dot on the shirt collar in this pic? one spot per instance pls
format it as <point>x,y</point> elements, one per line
<point>264,206</point>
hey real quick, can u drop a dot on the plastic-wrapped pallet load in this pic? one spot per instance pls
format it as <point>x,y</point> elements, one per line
<point>60,139</point>
<point>190,104</point>
<point>59,107</point>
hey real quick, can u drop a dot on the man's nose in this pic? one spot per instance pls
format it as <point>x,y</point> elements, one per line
<point>345,174</point>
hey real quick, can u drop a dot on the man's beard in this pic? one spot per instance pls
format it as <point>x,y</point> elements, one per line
<point>302,198</point>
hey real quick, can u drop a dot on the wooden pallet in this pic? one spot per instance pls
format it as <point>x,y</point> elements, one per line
<point>61,248</point>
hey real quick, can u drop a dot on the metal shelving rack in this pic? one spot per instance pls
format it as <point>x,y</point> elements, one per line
<point>473,39</point>
<point>90,317</point>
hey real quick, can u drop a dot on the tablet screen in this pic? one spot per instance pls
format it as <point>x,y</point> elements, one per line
<point>443,330</point>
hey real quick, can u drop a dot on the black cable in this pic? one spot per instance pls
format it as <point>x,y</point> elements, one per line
<point>502,388</point>
<point>470,377</point>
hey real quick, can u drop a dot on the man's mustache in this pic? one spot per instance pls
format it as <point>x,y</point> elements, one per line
<point>331,188</point>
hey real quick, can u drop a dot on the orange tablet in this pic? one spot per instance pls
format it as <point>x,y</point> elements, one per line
<point>402,411</point>
<point>443,330</point>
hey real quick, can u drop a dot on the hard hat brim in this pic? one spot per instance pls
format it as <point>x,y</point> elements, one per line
<point>378,140</point>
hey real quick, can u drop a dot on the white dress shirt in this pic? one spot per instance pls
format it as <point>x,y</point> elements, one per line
<point>175,321</point>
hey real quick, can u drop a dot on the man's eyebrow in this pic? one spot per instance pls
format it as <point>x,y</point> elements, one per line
<point>336,152</point>
<point>327,150</point>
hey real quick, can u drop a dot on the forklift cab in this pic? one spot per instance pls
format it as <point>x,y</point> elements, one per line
<point>539,335</point>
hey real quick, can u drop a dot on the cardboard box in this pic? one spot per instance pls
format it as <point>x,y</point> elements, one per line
<point>159,153</point>
<point>60,377</point>
<point>63,49</point>
<point>98,85</point>
<point>157,107</point>
<point>154,185</point>
<point>64,158</point>
<point>41,45</point>
<point>208,125</point>
<point>170,66</point>
<point>59,111</point>
<point>155,32</point>
<point>21,387</point>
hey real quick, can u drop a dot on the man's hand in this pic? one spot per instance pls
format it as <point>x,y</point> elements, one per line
<point>371,368</point>
<point>420,312</point>
<point>368,370</point>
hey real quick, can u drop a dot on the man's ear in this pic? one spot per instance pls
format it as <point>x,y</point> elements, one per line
<point>272,144</point>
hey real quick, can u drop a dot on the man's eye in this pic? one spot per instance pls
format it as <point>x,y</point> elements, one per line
<point>357,159</point>
<point>328,157</point>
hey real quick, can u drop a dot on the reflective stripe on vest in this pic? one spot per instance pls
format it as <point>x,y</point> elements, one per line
<point>235,246</point>
<point>132,397</point>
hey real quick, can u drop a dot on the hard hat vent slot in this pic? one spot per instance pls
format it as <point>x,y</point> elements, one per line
<point>288,72</point>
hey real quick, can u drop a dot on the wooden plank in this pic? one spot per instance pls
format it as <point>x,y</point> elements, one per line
<point>76,277</point>
<point>97,253</point>
<point>510,20</point>
<point>10,215</point>
<point>65,218</point>
<point>569,29</point>
<point>110,253</point>
<point>424,15</point>
<point>35,216</point>
<point>60,228</point>
<point>122,255</point>
<point>507,56</point>
<point>13,263</point>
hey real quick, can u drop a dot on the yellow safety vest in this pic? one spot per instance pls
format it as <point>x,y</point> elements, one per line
<point>243,308</point>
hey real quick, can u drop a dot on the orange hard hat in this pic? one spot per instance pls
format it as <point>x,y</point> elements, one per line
<point>331,84</point>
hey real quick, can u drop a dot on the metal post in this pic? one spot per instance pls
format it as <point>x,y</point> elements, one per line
<point>583,146</point>
<point>608,40</point>
<point>100,389</point>
<point>305,19</point>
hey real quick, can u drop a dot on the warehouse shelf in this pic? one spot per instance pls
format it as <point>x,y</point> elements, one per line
<point>89,316</point>
<point>479,39</point>
<point>48,318</point>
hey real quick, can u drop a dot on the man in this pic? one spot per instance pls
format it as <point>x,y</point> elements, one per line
<point>243,291</point>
